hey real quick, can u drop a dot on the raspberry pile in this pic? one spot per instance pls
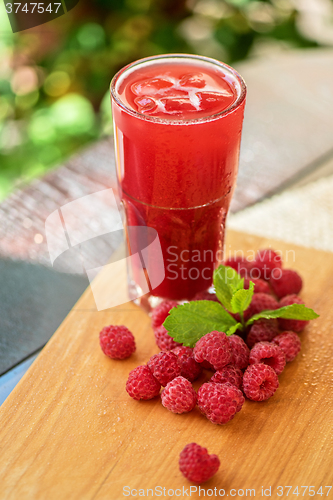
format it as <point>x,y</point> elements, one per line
<point>251,365</point>
<point>245,365</point>
<point>248,365</point>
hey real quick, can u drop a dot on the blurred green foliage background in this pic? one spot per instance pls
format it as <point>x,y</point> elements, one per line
<point>54,79</point>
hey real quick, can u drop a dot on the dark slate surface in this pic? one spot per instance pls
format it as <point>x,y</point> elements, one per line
<point>34,300</point>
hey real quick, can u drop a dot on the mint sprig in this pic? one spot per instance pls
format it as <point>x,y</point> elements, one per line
<point>188,322</point>
<point>294,311</point>
<point>227,282</point>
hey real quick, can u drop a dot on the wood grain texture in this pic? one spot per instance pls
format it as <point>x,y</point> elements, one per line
<point>69,430</point>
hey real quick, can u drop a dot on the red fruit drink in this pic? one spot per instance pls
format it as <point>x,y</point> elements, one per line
<point>177,124</point>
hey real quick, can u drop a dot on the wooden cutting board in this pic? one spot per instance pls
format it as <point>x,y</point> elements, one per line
<point>70,431</point>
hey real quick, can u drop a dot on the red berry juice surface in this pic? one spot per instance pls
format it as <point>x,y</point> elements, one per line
<point>178,122</point>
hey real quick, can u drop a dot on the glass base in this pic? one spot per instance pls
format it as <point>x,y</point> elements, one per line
<point>145,301</point>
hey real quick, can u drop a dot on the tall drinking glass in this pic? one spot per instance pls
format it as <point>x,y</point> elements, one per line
<point>177,128</point>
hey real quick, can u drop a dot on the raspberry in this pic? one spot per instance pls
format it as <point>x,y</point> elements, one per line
<point>265,262</point>
<point>213,347</point>
<point>260,382</point>
<point>260,286</point>
<point>262,330</point>
<point>295,325</point>
<point>196,465</point>
<point>239,352</point>
<point>219,402</point>
<point>163,339</point>
<point>285,282</point>
<point>240,264</point>
<point>190,369</point>
<point>141,383</point>
<point>160,312</point>
<point>262,302</point>
<point>164,366</point>
<point>270,354</point>
<point>290,344</point>
<point>206,296</point>
<point>229,373</point>
<point>117,342</point>
<point>179,396</point>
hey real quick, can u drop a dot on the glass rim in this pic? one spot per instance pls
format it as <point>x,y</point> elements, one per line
<point>238,101</point>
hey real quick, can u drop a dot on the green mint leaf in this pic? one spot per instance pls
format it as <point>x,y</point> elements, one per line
<point>234,328</point>
<point>241,299</point>
<point>189,322</point>
<point>226,283</point>
<point>294,311</point>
